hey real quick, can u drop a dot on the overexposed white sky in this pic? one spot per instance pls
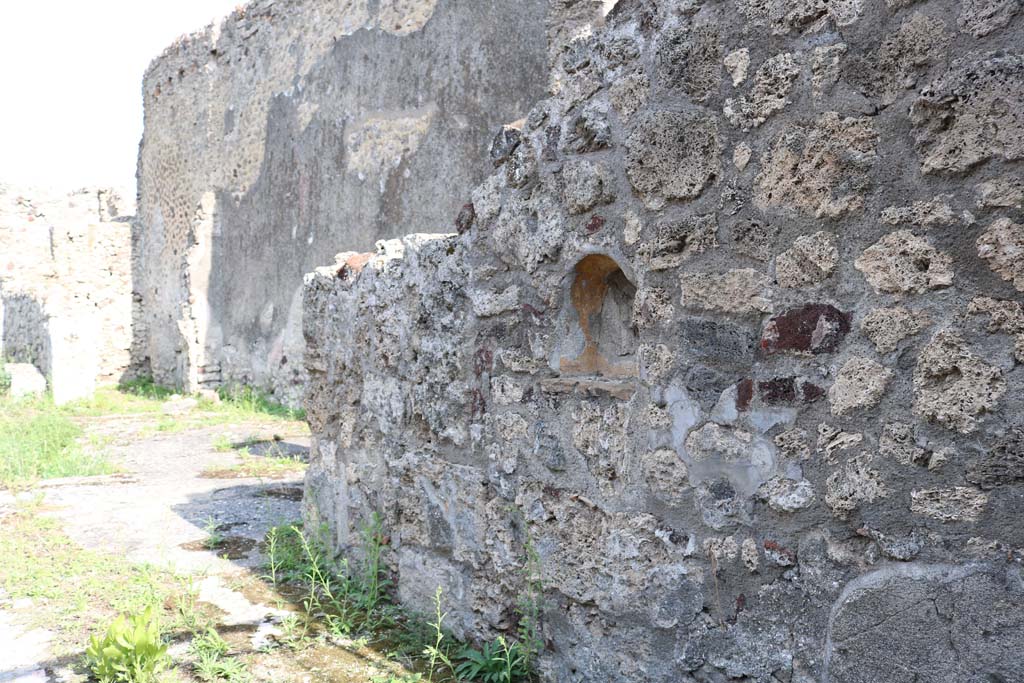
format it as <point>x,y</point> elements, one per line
<point>71,84</point>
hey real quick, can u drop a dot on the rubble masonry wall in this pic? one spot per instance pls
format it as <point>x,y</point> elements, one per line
<point>732,336</point>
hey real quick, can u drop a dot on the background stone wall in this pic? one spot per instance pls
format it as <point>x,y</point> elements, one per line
<point>733,336</point>
<point>293,129</point>
<point>66,302</point>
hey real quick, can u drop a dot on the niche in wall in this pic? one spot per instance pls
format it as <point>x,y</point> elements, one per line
<point>601,338</point>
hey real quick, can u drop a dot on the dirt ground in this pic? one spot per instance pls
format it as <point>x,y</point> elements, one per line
<point>171,492</point>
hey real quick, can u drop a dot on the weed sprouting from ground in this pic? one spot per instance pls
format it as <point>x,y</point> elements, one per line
<point>352,601</point>
<point>530,606</point>
<point>437,653</point>
<point>212,662</point>
<point>213,535</point>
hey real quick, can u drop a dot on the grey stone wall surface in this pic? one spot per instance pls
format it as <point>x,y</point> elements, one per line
<point>66,298</point>
<point>295,128</point>
<point>732,336</point>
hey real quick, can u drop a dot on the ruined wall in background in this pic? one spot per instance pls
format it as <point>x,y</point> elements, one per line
<point>734,335</point>
<point>66,301</point>
<point>295,129</point>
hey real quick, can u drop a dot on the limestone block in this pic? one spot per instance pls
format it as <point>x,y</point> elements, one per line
<point>974,112</point>
<point>887,327</point>
<point>672,155</point>
<point>772,82</point>
<point>953,386</point>
<point>1002,245</point>
<point>811,259</point>
<point>860,384</point>
<point>901,262</point>
<point>819,167</point>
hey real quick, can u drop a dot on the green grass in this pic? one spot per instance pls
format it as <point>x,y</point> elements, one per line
<point>39,440</point>
<point>246,401</point>
<point>39,443</point>
<point>74,591</point>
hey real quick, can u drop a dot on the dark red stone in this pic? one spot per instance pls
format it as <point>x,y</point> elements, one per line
<point>464,221</point>
<point>778,390</point>
<point>744,394</point>
<point>811,392</point>
<point>814,328</point>
<point>477,404</point>
<point>595,224</point>
<point>483,361</point>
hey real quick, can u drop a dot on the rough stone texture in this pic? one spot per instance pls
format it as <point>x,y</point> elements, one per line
<point>670,156</point>
<point>930,616</point>
<point>811,259</point>
<point>860,383</point>
<point>66,300</point>
<point>1002,245</point>
<point>981,17</point>
<point>820,167</point>
<point>628,389</point>
<point>902,262</point>
<point>1004,316</point>
<point>289,130</point>
<point>772,83</point>
<point>812,328</point>
<point>887,327</point>
<point>954,386</point>
<point>923,214</point>
<point>974,112</point>
<point>1002,192</point>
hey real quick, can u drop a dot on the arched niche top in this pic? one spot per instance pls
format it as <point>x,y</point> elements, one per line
<point>602,300</point>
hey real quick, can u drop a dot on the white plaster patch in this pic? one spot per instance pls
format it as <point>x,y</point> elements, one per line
<point>378,143</point>
<point>402,17</point>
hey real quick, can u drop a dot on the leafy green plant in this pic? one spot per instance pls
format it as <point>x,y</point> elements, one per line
<point>500,661</point>
<point>228,669</point>
<point>222,444</point>
<point>530,605</point>
<point>5,379</point>
<point>373,544</point>
<point>214,538</point>
<point>285,560</point>
<point>436,653</point>
<point>187,613</point>
<point>212,663</point>
<point>295,631</point>
<point>208,644</point>
<point>131,651</point>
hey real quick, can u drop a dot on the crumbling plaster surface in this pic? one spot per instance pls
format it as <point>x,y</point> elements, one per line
<point>796,456</point>
<point>294,127</point>
<point>66,302</point>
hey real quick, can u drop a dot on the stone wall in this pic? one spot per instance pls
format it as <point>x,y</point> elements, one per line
<point>293,129</point>
<point>733,337</point>
<point>66,302</point>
